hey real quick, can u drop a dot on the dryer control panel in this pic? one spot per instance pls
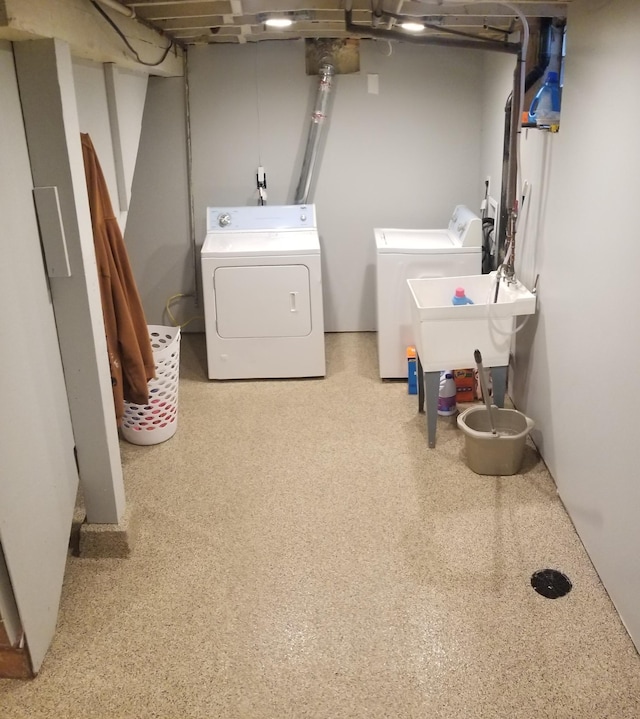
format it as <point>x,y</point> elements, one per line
<point>466,227</point>
<point>261,217</point>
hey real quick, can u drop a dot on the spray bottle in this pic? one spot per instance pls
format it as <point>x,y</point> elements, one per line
<point>545,108</point>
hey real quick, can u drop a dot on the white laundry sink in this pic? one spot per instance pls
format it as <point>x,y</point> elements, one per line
<point>447,335</point>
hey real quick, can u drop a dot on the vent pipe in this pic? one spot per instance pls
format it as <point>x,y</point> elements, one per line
<point>318,117</point>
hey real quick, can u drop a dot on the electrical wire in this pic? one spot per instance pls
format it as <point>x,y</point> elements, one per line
<point>189,147</point>
<point>127,43</point>
<point>523,64</point>
<point>257,88</point>
<point>172,318</point>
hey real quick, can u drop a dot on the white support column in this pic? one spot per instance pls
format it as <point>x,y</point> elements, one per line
<point>110,79</point>
<point>8,608</point>
<point>50,114</point>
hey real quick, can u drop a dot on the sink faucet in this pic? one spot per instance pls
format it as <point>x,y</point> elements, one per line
<point>506,270</point>
<point>508,266</point>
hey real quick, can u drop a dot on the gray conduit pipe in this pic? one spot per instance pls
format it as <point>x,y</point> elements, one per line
<point>318,117</point>
<point>515,130</point>
<point>453,41</point>
<point>512,166</point>
<point>197,290</point>
<point>544,57</point>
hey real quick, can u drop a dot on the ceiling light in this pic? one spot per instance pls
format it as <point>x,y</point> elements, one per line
<point>278,22</point>
<point>412,26</point>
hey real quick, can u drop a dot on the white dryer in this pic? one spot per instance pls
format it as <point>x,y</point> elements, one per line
<point>414,254</point>
<point>262,288</point>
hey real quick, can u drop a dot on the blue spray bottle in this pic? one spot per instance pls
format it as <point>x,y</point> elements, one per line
<point>545,108</point>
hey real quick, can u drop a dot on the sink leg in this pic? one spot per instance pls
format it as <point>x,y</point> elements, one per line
<point>432,389</point>
<point>499,381</point>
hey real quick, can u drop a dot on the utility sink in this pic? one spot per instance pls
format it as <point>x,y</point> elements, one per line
<point>446,335</point>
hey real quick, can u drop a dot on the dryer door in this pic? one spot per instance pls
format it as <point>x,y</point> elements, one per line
<point>262,301</point>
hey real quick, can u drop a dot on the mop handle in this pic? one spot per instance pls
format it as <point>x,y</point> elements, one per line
<point>485,391</point>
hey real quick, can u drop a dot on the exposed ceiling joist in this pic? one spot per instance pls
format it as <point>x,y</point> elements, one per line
<point>189,22</point>
<point>212,21</point>
<point>78,23</point>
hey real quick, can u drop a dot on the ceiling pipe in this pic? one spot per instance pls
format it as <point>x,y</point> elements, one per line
<point>376,13</point>
<point>318,117</point>
<point>509,226</point>
<point>464,42</point>
<point>118,7</point>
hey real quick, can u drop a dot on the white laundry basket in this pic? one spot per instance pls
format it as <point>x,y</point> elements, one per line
<point>157,421</point>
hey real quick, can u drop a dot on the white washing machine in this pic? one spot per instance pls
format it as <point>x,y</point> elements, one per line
<point>414,254</point>
<point>262,288</point>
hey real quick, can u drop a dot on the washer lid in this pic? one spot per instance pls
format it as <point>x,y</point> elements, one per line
<point>261,244</point>
<point>421,242</point>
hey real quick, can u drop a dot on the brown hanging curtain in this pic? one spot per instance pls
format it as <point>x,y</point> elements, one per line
<point>128,344</point>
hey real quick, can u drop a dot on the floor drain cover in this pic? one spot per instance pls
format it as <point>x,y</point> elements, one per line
<point>551,583</point>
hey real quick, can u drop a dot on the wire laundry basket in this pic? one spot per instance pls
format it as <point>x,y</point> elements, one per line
<point>157,421</point>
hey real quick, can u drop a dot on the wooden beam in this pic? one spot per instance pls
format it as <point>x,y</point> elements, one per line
<point>4,637</point>
<point>89,35</point>
<point>15,663</point>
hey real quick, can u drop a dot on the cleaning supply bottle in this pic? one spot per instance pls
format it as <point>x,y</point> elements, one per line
<point>412,377</point>
<point>447,395</point>
<point>545,108</point>
<point>460,298</point>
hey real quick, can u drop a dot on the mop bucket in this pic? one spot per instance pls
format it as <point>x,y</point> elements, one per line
<point>497,454</point>
<point>157,421</point>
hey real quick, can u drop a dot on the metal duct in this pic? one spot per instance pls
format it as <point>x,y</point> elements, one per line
<point>318,116</point>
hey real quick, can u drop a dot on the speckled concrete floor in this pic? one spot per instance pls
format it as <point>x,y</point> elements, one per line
<point>303,554</point>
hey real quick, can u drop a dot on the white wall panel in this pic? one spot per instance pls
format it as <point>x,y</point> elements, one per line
<point>93,117</point>
<point>575,364</point>
<point>157,234</point>
<point>38,475</point>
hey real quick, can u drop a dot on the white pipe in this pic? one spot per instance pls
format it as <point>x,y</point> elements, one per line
<point>119,7</point>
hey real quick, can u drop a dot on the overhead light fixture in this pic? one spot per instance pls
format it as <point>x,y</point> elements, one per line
<point>412,26</point>
<point>278,22</point>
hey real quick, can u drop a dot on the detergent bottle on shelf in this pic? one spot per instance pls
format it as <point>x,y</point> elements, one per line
<point>545,107</point>
<point>460,298</point>
<point>447,395</point>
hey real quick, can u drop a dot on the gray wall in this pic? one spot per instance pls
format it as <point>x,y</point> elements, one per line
<point>93,117</point>
<point>575,367</point>
<point>403,158</point>
<point>157,232</point>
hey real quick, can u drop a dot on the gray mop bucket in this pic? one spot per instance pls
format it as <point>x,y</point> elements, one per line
<point>499,454</point>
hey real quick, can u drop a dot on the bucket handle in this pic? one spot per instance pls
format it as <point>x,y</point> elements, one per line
<point>476,433</point>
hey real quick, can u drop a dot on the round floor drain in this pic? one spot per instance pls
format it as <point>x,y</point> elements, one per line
<point>551,583</point>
